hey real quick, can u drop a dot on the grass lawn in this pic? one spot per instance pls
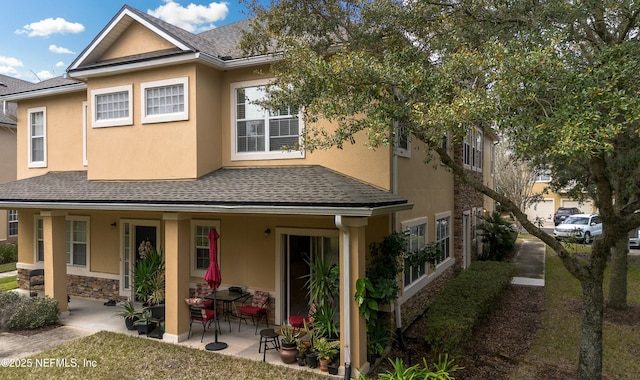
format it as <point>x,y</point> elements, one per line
<point>120,356</point>
<point>557,342</point>
<point>8,267</point>
<point>8,283</point>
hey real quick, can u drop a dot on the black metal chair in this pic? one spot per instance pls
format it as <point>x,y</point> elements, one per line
<point>203,316</point>
<point>36,278</point>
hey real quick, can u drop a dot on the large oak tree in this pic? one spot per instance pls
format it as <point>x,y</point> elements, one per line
<point>559,78</point>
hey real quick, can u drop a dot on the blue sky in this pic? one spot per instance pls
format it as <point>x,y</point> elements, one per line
<point>40,38</point>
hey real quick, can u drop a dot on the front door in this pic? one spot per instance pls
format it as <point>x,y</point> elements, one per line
<point>134,233</point>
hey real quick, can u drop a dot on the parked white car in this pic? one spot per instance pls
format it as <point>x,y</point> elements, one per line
<point>582,227</point>
<point>634,238</point>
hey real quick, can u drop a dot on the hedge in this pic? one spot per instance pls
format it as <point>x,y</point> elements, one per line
<point>465,303</point>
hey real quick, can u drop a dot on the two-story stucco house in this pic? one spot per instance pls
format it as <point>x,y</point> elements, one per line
<point>152,134</point>
<point>8,218</point>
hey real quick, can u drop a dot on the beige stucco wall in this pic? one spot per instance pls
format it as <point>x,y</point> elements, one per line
<point>136,39</point>
<point>63,134</point>
<point>429,186</point>
<point>7,170</point>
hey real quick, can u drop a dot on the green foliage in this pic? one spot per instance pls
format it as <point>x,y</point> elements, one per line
<point>476,292</point>
<point>498,235</point>
<point>323,287</point>
<point>149,278</point>
<point>325,321</point>
<point>442,370</point>
<point>327,349</point>
<point>8,253</point>
<point>128,311</point>
<point>19,312</point>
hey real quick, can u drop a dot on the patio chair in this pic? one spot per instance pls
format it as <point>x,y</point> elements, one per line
<point>256,310</point>
<point>36,278</point>
<point>204,316</point>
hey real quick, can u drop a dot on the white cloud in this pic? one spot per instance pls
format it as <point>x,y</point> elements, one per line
<point>10,61</point>
<point>194,18</point>
<point>49,26</point>
<point>8,70</point>
<point>60,64</point>
<point>59,50</point>
<point>44,74</point>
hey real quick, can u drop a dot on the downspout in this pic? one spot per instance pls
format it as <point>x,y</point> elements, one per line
<point>346,238</point>
<point>394,220</point>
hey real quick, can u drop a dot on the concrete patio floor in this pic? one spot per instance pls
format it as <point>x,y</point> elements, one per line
<point>87,317</point>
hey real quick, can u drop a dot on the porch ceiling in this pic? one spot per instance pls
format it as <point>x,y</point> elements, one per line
<point>281,190</point>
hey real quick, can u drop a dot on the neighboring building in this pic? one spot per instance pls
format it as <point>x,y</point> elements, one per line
<point>8,165</point>
<point>152,135</point>
<point>551,201</point>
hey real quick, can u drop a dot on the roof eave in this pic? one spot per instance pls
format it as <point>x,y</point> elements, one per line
<point>230,209</point>
<point>45,92</point>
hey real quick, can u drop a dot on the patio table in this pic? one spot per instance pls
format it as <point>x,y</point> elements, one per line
<point>228,298</point>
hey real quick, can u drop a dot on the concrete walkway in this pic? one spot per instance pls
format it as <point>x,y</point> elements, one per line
<point>9,274</point>
<point>530,263</point>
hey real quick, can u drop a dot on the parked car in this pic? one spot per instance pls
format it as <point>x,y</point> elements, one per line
<point>582,227</point>
<point>563,213</point>
<point>634,238</point>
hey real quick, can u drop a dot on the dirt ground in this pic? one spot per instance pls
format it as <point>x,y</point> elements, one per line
<point>496,347</point>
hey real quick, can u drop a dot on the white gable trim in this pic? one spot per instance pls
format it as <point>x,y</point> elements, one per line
<point>112,26</point>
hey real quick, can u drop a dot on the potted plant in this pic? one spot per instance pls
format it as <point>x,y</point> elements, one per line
<point>327,350</point>
<point>302,352</point>
<point>333,367</point>
<point>149,276</point>
<point>289,345</point>
<point>144,324</point>
<point>130,314</point>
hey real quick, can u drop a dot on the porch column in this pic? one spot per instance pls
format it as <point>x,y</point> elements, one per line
<point>55,257</point>
<point>352,228</point>
<point>176,258</point>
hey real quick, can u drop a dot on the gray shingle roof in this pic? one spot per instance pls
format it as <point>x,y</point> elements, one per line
<point>289,186</point>
<point>8,85</point>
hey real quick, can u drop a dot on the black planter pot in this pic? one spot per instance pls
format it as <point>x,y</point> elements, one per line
<point>129,322</point>
<point>312,360</point>
<point>146,328</point>
<point>333,368</point>
<point>302,359</point>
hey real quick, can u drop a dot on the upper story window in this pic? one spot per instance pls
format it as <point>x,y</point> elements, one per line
<point>112,107</point>
<point>165,100</point>
<point>402,140</point>
<point>472,150</point>
<point>37,137</point>
<point>417,239</point>
<point>13,222</point>
<point>258,133</point>
<point>545,176</point>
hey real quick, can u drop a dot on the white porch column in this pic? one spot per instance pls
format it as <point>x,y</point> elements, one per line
<point>177,258</point>
<point>55,257</point>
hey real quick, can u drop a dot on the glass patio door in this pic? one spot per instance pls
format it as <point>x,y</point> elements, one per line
<point>299,250</point>
<point>134,233</point>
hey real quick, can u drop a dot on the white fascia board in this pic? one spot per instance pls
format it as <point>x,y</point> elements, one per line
<point>113,24</point>
<point>46,92</point>
<point>109,70</point>
<point>270,210</point>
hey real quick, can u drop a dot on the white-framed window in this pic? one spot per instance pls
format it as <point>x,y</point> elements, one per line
<point>39,243</point>
<point>13,222</point>
<point>257,133</point>
<point>416,231</point>
<point>37,137</point>
<point>200,245</point>
<point>545,176</point>
<point>443,235</point>
<point>165,100</point>
<point>77,241</point>
<point>403,141</point>
<point>472,147</point>
<point>112,107</point>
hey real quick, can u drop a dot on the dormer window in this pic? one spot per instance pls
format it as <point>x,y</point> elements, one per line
<point>258,133</point>
<point>165,100</point>
<point>112,107</point>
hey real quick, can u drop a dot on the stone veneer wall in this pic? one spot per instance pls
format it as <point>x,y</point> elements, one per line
<point>81,286</point>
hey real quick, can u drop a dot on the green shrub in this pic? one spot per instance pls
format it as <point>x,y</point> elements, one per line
<point>8,253</point>
<point>499,237</point>
<point>464,303</point>
<point>19,312</point>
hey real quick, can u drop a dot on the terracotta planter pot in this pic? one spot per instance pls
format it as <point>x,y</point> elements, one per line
<point>324,364</point>
<point>288,354</point>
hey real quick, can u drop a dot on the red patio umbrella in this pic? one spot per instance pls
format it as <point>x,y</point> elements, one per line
<point>214,278</point>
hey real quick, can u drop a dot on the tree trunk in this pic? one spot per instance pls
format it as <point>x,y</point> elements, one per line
<point>590,364</point>
<point>618,280</point>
